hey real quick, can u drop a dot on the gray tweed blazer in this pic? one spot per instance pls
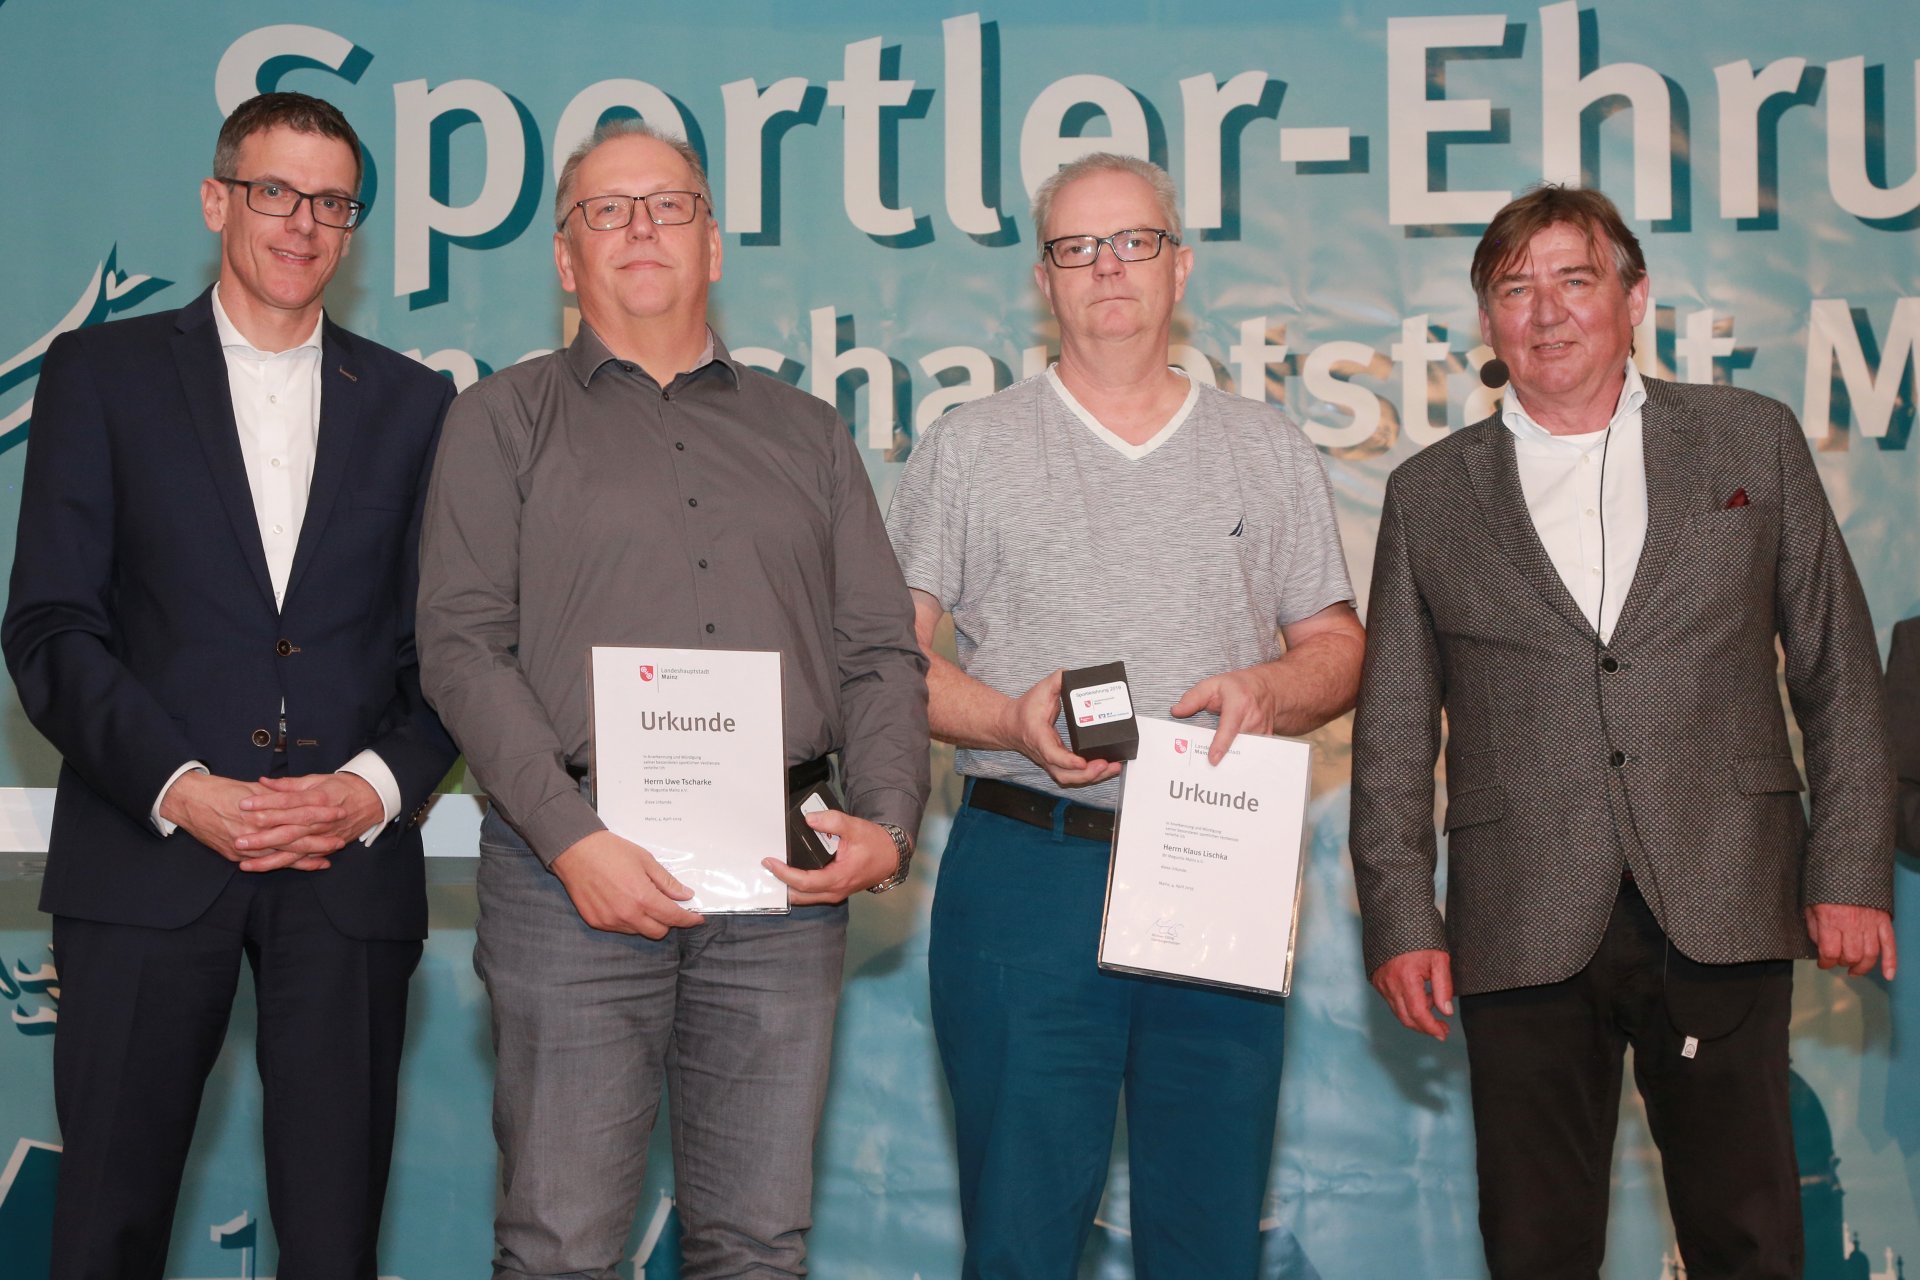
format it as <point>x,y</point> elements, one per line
<point>1665,752</point>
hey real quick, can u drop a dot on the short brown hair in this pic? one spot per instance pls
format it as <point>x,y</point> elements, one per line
<point>1514,227</point>
<point>295,111</point>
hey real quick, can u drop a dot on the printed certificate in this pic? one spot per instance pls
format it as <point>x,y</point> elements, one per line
<point>689,761</point>
<point>1204,884</point>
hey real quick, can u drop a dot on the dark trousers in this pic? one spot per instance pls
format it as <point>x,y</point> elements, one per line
<point>143,1013</point>
<point>1545,1068</point>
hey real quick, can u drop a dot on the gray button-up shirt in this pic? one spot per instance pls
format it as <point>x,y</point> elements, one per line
<point>575,502</point>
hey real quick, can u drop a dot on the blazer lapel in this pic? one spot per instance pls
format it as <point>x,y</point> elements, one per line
<point>203,376</point>
<point>1675,488</point>
<point>341,421</point>
<point>1495,477</point>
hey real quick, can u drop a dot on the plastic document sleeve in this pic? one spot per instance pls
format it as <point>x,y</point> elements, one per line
<point>1207,863</point>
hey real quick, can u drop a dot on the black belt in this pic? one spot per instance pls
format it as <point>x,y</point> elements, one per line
<point>1036,809</point>
<point>799,776</point>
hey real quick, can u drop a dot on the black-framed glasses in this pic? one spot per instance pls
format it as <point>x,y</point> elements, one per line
<point>278,200</point>
<point>664,209</point>
<point>1136,244</point>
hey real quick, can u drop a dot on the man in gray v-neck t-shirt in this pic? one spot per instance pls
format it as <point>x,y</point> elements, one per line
<point>1109,509</point>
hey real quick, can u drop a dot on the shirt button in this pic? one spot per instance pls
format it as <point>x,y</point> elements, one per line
<point>273,399</point>
<point>680,446</point>
<point>1590,513</point>
<point>279,529</point>
<point>1595,570</point>
<point>276,462</point>
<point>693,502</point>
<point>703,564</point>
<point>709,628</point>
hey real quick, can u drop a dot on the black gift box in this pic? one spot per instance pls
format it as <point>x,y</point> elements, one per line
<point>1100,723</point>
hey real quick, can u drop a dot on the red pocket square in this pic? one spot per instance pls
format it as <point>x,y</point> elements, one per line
<point>1739,499</point>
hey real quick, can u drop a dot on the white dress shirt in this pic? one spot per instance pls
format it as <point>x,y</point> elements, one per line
<point>1560,478</point>
<point>276,409</point>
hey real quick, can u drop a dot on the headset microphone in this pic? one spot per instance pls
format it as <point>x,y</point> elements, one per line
<point>1494,373</point>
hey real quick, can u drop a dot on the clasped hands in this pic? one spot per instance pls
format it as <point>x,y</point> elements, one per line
<point>275,822</point>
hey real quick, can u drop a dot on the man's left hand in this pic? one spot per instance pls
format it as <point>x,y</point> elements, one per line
<point>1243,700</point>
<point>866,857</point>
<point>346,791</point>
<point>1853,937</point>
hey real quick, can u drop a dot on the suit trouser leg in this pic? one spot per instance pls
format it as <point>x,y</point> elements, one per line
<point>581,1021</point>
<point>1033,1039</point>
<point>747,1079</point>
<point>1546,1065</point>
<point>1721,1118</point>
<point>143,1013</point>
<point>1203,1095</point>
<point>332,1018</point>
<point>1544,1071</point>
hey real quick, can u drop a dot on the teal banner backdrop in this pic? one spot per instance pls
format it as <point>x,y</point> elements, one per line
<point>871,165</point>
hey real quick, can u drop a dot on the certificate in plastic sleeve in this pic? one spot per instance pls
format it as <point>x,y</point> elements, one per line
<point>689,762</point>
<point>1204,883</point>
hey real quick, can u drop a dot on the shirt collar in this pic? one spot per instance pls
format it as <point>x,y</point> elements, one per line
<point>1514,415</point>
<point>231,337</point>
<point>587,353</point>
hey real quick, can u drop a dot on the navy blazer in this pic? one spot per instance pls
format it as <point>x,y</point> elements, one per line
<point>141,630</point>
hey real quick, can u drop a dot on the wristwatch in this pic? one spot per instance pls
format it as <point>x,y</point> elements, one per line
<point>903,845</point>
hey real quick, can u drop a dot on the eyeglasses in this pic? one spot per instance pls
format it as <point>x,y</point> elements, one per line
<point>1139,244</point>
<point>278,200</point>
<point>664,209</point>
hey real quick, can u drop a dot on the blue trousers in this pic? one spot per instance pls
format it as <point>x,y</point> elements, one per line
<point>1038,1044</point>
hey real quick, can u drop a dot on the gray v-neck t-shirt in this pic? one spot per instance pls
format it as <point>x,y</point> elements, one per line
<point>1055,544</point>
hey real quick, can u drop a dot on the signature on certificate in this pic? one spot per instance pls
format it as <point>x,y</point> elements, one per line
<point>1166,931</point>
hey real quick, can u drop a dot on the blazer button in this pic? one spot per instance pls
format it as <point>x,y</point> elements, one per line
<point>1608,664</point>
<point>284,648</point>
<point>1617,759</point>
<point>261,738</point>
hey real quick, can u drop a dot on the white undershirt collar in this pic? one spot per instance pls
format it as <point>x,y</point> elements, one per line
<point>1132,452</point>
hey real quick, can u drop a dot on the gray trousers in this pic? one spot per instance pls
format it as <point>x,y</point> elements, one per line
<point>736,1016</point>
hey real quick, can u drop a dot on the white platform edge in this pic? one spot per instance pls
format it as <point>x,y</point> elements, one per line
<point>452,828</point>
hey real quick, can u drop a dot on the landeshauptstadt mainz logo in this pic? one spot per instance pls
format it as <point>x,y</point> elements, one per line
<point>109,292</point>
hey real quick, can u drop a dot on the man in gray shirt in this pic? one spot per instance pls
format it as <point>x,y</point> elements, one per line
<point>641,487</point>
<point>1110,508</point>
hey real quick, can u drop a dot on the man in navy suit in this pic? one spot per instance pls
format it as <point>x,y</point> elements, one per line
<point>211,617</point>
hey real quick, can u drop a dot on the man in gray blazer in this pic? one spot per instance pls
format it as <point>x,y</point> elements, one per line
<point>1903,719</point>
<point>1590,585</point>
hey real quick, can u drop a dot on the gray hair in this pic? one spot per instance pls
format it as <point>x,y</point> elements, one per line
<point>609,131</point>
<point>1106,162</point>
